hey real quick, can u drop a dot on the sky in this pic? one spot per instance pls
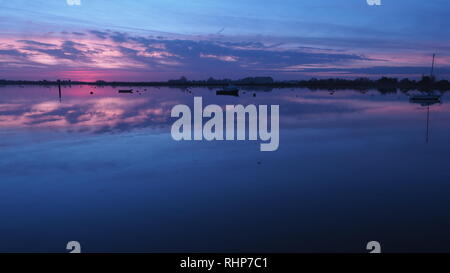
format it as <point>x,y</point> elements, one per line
<point>138,40</point>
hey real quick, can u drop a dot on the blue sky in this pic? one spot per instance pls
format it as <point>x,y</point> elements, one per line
<point>162,39</point>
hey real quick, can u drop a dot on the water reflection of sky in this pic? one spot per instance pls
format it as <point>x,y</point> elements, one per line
<point>102,169</point>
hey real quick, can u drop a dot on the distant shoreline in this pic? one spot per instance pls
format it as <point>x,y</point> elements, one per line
<point>425,84</point>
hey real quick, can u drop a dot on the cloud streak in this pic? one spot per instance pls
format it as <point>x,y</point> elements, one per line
<point>97,50</point>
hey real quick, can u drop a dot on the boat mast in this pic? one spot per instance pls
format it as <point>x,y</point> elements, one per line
<point>432,65</point>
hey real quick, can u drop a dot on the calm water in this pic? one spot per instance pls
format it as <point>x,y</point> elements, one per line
<point>103,170</point>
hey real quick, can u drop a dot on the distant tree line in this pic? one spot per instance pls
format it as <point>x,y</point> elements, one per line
<point>385,84</point>
<point>212,81</point>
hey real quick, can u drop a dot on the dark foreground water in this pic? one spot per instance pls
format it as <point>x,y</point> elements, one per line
<point>103,170</point>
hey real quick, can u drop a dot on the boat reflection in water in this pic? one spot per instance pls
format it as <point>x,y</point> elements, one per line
<point>426,100</point>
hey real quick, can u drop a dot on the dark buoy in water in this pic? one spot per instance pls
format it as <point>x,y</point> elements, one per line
<point>254,94</point>
<point>92,93</point>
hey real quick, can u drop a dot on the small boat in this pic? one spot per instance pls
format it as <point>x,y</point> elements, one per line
<point>230,90</point>
<point>126,91</point>
<point>428,98</point>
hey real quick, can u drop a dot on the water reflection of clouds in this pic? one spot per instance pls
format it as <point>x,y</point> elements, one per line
<point>108,111</point>
<point>96,115</point>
